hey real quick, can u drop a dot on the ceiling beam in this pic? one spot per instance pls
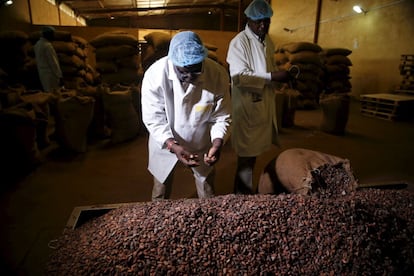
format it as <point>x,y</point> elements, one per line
<point>113,10</point>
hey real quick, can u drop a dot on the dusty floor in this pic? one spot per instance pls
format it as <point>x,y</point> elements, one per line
<point>34,211</point>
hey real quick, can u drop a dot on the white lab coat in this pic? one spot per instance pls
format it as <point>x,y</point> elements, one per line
<point>254,127</point>
<point>194,117</point>
<point>47,65</point>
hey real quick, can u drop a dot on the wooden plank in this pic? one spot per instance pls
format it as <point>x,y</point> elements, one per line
<point>380,108</point>
<point>378,114</point>
<point>386,97</point>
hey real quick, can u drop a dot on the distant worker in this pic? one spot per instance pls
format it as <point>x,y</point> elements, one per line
<point>47,61</point>
<point>253,76</point>
<point>186,109</point>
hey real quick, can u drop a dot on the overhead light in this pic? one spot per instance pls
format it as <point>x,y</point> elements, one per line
<point>358,9</point>
<point>8,2</point>
<point>112,17</point>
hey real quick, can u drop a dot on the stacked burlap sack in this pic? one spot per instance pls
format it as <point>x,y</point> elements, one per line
<point>306,56</point>
<point>337,72</point>
<point>156,47</point>
<point>15,59</point>
<point>117,58</point>
<point>335,101</point>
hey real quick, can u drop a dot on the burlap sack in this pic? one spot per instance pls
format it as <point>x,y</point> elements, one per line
<point>74,115</point>
<point>290,104</point>
<point>122,120</point>
<point>80,41</point>
<point>40,102</point>
<point>293,171</point>
<point>295,47</point>
<point>338,59</point>
<point>115,51</point>
<point>159,40</point>
<point>97,126</point>
<point>124,76</point>
<point>305,57</point>
<point>337,51</point>
<point>114,38</point>
<point>335,109</point>
<point>67,47</point>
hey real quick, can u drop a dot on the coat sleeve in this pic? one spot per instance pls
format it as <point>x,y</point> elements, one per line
<point>154,114</point>
<point>221,117</point>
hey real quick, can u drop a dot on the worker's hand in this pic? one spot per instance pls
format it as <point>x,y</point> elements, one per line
<point>213,154</point>
<point>187,158</point>
<point>281,76</point>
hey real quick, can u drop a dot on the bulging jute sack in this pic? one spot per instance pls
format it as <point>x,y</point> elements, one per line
<point>296,171</point>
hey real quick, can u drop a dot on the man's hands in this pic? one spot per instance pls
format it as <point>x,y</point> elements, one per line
<point>213,154</point>
<point>192,159</point>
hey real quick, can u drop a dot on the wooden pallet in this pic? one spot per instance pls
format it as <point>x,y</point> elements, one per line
<point>387,106</point>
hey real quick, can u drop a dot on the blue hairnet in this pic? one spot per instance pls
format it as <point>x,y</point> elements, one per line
<point>186,49</point>
<point>48,29</point>
<point>258,9</point>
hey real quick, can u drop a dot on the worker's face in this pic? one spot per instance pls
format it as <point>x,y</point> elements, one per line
<point>189,73</point>
<point>260,27</point>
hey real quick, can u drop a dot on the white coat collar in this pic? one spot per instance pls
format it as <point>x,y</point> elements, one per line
<point>252,35</point>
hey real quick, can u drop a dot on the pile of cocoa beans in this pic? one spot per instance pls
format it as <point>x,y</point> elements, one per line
<point>364,232</point>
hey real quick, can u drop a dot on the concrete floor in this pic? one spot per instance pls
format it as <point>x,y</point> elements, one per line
<point>36,210</point>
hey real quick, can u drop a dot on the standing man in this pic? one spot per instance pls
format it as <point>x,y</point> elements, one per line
<point>186,109</point>
<point>47,61</point>
<point>253,75</point>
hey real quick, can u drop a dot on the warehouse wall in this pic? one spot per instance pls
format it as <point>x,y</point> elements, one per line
<point>377,39</point>
<point>15,17</point>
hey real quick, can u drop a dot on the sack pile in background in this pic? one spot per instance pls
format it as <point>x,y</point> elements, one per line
<point>337,77</point>
<point>306,56</point>
<point>72,52</point>
<point>156,47</point>
<point>117,58</point>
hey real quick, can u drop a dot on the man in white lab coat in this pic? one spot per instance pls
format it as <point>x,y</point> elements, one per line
<point>47,62</point>
<point>186,109</point>
<point>253,75</point>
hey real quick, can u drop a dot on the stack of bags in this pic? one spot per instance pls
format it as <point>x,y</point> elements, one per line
<point>306,56</point>
<point>77,72</point>
<point>72,54</point>
<point>117,58</point>
<point>156,47</point>
<point>337,63</point>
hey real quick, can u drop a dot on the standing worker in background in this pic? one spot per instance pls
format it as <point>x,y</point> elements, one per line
<point>186,109</point>
<point>47,61</point>
<point>253,75</point>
